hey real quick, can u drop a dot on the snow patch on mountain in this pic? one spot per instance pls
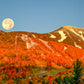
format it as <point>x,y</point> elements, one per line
<point>69,35</point>
<point>46,43</point>
<point>63,36</point>
<point>65,48</point>
<point>52,36</point>
<point>77,45</point>
<point>80,35</point>
<point>30,43</point>
<point>80,32</point>
<point>24,37</point>
<point>33,35</point>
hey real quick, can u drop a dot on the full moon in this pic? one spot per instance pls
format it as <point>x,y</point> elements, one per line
<point>8,24</point>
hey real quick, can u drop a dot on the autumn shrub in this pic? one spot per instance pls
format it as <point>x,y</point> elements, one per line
<point>74,78</point>
<point>49,65</point>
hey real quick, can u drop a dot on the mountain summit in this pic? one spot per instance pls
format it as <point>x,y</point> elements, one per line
<point>70,35</point>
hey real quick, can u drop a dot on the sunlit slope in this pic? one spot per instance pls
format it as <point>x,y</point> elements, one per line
<point>39,49</point>
<point>70,35</point>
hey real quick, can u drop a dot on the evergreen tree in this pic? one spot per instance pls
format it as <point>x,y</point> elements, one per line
<point>77,71</point>
<point>75,79</point>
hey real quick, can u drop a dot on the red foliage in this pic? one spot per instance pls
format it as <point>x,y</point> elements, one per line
<point>61,73</point>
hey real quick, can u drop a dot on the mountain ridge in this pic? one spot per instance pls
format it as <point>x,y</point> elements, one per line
<point>69,35</point>
<point>59,48</point>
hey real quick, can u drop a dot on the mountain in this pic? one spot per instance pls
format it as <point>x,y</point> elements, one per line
<point>55,49</point>
<point>70,35</point>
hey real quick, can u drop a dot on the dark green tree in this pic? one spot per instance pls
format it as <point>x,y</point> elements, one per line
<point>77,71</point>
<point>75,77</point>
<point>59,80</point>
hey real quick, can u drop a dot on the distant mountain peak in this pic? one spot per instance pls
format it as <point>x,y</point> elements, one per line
<point>71,27</point>
<point>68,27</point>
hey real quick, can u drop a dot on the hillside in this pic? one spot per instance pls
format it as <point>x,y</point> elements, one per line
<point>56,49</point>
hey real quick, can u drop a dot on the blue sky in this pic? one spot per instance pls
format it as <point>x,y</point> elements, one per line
<point>42,16</point>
